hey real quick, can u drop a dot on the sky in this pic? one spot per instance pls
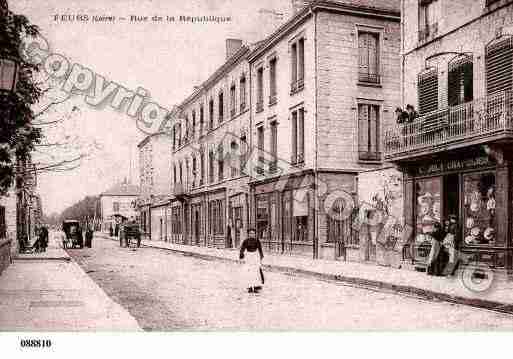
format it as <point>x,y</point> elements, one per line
<point>168,59</point>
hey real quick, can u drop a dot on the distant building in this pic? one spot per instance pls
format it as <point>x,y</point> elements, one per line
<point>155,183</point>
<point>118,203</point>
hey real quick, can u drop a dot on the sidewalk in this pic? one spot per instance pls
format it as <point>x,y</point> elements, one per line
<point>49,292</point>
<point>498,297</point>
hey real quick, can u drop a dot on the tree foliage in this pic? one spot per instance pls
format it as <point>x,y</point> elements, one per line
<point>18,135</point>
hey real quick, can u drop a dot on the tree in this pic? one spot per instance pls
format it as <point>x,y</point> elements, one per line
<point>18,135</point>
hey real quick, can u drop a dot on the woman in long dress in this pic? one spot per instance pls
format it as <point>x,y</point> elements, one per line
<point>251,255</point>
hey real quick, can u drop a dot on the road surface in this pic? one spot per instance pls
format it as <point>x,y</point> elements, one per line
<point>168,291</point>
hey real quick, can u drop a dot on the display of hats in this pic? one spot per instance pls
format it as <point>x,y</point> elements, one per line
<point>490,204</point>
<point>474,206</point>
<point>424,209</point>
<point>475,231</point>
<point>489,234</point>
<point>436,210</point>
<point>470,239</point>
<point>427,198</point>
<point>470,222</point>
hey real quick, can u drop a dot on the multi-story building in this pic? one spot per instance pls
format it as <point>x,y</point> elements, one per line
<point>322,87</point>
<point>456,153</point>
<point>210,190</point>
<point>154,175</point>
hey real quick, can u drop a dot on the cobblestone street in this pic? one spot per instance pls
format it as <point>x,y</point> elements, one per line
<point>166,291</point>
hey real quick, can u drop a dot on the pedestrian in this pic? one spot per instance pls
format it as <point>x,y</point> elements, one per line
<point>251,256</point>
<point>44,237</point>
<point>437,236</point>
<point>449,246</point>
<point>89,237</point>
<point>229,236</point>
<point>38,244</point>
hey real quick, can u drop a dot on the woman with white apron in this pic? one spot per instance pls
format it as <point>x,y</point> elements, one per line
<point>251,256</point>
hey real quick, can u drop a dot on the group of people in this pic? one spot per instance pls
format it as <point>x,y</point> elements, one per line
<point>41,242</point>
<point>442,259</point>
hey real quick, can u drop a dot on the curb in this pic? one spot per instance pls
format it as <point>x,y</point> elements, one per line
<point>363,283</point>
<point>65,259</point>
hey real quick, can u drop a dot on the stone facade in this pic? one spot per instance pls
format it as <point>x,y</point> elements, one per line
<point>456,62</point>
<point>209,143</point>
<point>329,95</point>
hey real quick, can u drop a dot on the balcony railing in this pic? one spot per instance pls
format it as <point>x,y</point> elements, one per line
<point>273,99</point>
<point>369,78</point>
<point>469,121</point>
<point>297,86</point>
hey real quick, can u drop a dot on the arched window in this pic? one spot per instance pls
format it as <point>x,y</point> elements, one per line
<point>460,84</point>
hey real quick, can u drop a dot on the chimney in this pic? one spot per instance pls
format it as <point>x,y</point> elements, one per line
<point>232,45</point>
<point>298,5</point>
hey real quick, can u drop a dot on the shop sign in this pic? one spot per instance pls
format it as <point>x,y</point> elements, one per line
<point>454,165</point>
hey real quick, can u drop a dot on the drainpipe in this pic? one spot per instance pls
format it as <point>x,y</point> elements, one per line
<point>316,175</point>
<point>403,58</point>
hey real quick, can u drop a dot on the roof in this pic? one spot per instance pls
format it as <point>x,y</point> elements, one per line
<point>122,189</point>
<point>389,9</point>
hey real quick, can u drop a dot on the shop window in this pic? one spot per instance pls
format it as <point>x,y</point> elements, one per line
<point>262,217</point>
<point>427,90</point>
<point>479,209</point>
<point>368,132</point>
<point>217,217</point>
<point>499,65</point>
<point>115,207</point>
<point>428,204</point>
<point>460,81</point>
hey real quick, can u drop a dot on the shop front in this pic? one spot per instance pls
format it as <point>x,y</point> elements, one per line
<point>473,187</point>
<point>284,215</point>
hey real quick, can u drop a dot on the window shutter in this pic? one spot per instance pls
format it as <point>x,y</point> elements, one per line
<point>363,51</point>
<point>499,66</point>
<point>294,137</point>
<point>373,129</point>
<point>363,128</point>
<point>428,91</point>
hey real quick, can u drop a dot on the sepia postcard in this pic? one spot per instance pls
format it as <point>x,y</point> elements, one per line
<point>230,166</point>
